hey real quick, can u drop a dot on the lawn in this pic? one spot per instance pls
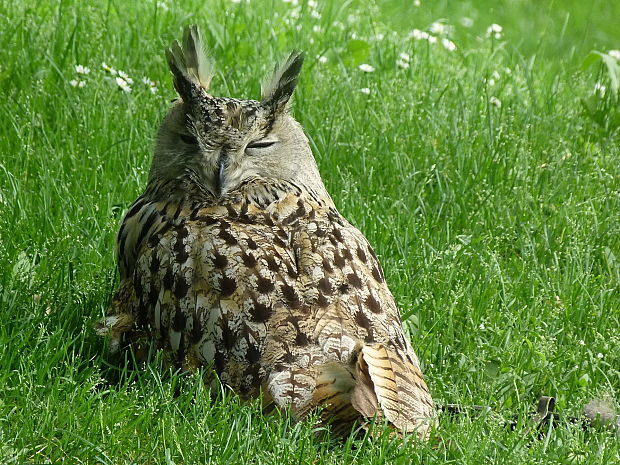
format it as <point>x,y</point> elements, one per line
<point>482,162</point>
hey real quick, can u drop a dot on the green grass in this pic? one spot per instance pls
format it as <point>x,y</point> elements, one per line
<point>498,227</point>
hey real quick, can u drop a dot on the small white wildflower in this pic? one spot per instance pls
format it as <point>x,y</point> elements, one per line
<point>365,90</point>
<point>404,57</point>
<point>379,36</point>
<point>581,342</point>
<point>338,25</point>
<point>109,69</point>
<point>295,14</point>
<point>124,75</point>
<point>432,39</point>
<point>315,14</point>
<point>316,28</point>
<point>402,64</point>
<point>448,45</point>
<point>366,68</point>
<point>491,82</point>
<point>495,30</point>
<point>507,70</point>
<point>466,21</point>
<point>416,3</point>
<point>614,54</point>
<point>495,102</point>
<point>438,28</point>
<point>82,69</point>
<point>77,83</point>
<point>322,59</point>
<point>298,27</point>
<point>163,6</point>
<point>313,3</point>
<point>495,75</point>
<point>600,89</point>
<point>152,86</point>
<point>482,326</point>
<point>599,355</point>
<point>418,35</point>
<point>235,1</point>
<point>123,84</point>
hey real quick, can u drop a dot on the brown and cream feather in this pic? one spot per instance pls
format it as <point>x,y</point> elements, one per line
<point>235,259</point>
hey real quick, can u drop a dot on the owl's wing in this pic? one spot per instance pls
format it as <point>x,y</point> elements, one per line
<point>356,322</point>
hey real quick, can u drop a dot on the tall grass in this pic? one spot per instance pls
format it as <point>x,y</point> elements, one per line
<point>488,189</point>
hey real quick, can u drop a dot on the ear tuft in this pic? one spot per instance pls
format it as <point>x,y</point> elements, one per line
<point>191,68</point>
<point>277,90</point>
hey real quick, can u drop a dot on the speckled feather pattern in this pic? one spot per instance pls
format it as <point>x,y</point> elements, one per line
<point>266,295</point>
<point>235,260</point>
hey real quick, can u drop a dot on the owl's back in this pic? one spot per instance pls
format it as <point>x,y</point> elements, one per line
<point>269,296</point>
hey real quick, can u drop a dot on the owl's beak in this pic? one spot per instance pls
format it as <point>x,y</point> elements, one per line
<point>220,176</point>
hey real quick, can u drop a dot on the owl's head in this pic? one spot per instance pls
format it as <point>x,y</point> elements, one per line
<point>223,142</point>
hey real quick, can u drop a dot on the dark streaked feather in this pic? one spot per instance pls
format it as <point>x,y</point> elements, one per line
<point>191,67</point>
<point>277,90</point>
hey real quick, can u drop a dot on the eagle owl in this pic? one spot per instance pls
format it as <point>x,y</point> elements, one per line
<point>235,259</point>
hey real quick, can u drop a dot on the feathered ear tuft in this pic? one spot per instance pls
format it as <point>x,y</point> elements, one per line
<point>277,90</point>
<point>191,68</point>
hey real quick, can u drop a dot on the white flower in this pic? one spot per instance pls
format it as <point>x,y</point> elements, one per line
<point>418,35</point>
<point>163,6</point>
<point>599,355</point>
<point>495,30</point>
<point>466,21</point>
<point>482,326</point>
<point>448,45</point>
<point>109,69</point>
<point>495,102</point>
<point>495,75</point>
<point>379,36</point>
<point>600,89</point>
<point>438,28</point>
<point>432,39</point>
<point>292,2</point>
<point>322,59</point>
<point>416,3</point>
<point>491,81</point>
<point>315,14</point>
<point>404,57</point>
<point>313,3</point>
<point>507,70</point>
<point>152,86</point>
<point>366,68</point>
<point>77,83</point>
<point>316,28</point>
<point>365,90</point>
<point>614,54</point>
<point>581,342</point>
<point>82,69</point>
<point>124,75</point>
<point>235,1</point>
<point>123,84</point>
<point>402,64</point>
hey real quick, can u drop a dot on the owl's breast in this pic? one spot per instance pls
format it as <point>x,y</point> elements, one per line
<point>208,288</point>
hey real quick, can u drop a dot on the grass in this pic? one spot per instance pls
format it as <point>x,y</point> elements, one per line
<point>498,226</point>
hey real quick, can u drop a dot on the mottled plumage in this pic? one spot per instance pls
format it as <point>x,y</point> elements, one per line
<point>236,258</point>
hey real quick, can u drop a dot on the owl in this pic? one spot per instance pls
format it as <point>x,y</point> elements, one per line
<point>235,261</point>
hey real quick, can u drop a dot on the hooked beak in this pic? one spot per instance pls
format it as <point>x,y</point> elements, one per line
<point>220,176</point>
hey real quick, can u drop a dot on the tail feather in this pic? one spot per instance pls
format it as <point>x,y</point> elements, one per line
<point>380,384</point>
<point>391,387</point>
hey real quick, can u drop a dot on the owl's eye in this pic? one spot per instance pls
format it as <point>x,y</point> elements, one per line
<point>188,139</point>
<point>261,144</point>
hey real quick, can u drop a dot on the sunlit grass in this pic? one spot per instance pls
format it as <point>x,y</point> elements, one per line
<point>487,185</point>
